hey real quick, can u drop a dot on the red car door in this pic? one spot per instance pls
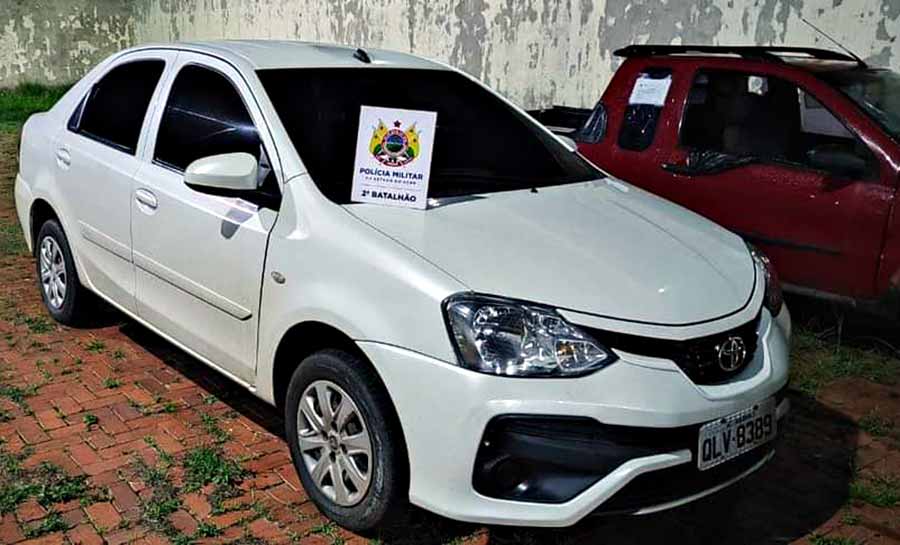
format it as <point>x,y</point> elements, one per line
<point>763,155</point>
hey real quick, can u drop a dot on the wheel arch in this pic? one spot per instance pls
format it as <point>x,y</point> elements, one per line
<point>306,338</point>
<point>41,211</point>
<point>303,339</point>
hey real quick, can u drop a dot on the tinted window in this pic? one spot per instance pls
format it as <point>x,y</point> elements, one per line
<point>640,120</point>
<point>113,111</point>
<point>481,144</point>
<point>204,116</point>
<point>877,92</point>
<point>769,119</point>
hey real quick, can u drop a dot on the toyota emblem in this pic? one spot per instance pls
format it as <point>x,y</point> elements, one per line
<point>732,353</point>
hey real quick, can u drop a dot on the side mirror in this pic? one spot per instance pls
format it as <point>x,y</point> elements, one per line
<point>594,127</point>
<point>838,162</point>
<point>228,171</point>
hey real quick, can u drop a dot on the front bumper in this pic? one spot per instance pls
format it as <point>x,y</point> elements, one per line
<point>444,411</point>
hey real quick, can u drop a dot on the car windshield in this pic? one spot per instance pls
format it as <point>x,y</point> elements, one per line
<point>877,92</point>
<point>482,145</point>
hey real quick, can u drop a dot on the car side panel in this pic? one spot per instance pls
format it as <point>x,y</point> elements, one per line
<point>37,169</point>
<point>199,258</point>
<point>343,273</point>
<point>96,180</point>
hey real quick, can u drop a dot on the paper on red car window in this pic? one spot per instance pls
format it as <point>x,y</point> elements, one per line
<point>393,156</point>
<point>651,91</point>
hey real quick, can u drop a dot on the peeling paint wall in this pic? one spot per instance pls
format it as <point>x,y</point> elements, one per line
<point>537,52</point>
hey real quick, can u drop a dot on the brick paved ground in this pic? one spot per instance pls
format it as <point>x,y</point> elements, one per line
<point>110,435</point>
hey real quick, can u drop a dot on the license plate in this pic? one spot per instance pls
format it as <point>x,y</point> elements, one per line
<point>735,434</point>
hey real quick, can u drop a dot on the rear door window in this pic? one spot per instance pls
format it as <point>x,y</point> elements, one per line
<point>645,105</point>
<point>113,111</point>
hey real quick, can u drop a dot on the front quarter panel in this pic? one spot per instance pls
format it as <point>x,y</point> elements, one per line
<point>345,274</point>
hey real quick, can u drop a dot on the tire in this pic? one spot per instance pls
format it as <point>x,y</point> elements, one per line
<point>343,377</point>
<point>67,304</point>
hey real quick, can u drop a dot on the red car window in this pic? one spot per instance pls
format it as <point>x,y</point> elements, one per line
<point>770,119</point>
<point>643,110</point>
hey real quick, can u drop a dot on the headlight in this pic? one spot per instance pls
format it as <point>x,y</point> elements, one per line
<point>502,337</point>
<point>774,297</point>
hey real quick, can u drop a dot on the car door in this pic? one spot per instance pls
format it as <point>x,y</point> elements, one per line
<point>199,257</point>
<point>96,162</point>
<point>757,153</point>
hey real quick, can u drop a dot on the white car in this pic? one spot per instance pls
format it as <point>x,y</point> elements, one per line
<point>542,343</point>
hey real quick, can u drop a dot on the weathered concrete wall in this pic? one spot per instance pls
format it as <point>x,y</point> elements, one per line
<point>537,52</point>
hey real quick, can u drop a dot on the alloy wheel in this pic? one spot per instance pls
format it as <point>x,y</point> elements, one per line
<point>334,442</point>
<point>53,272</point>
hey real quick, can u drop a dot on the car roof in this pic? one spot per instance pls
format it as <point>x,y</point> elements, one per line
<point>269,54</point>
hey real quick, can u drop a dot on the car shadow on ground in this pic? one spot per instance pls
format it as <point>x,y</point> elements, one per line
<point>803,487</point>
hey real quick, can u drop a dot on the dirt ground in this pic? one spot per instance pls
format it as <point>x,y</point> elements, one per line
<point>110,435</point>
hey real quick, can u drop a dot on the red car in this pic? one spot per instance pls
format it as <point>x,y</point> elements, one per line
<point>795,149</point>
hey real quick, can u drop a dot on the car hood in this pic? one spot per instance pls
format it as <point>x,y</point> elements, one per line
<point>602,247</point>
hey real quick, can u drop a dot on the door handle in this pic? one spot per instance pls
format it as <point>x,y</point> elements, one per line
<point>63,158</point>
<point>146,200</point>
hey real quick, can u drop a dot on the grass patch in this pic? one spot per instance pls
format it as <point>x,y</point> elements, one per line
<point>877,490</point>
<point>19,102</point>
<point>211,426</point>
<point>12,243</point>
<point>208,465</point>
<point>164,456</point>
<point>96,346</point>
<point>54,486</point>
<point>164,501</point>
<point>876,425</point>
<point>53,522</point>
<point>18,395</point>
<point>47,484</point>
<point>90,420</point>
<point>35,324</point>
<point>206,529</point>
<point>111,383</point>
<point>329,529</point>
<point>816,363</point>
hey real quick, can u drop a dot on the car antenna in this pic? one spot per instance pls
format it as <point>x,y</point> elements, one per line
<point>361,55</point>
<point>862,63</point>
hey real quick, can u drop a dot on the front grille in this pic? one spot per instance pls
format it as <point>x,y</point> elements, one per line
<point>698,357</point>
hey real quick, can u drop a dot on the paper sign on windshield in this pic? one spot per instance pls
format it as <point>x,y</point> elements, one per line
<point>651,91</point>
<point>393,156</point>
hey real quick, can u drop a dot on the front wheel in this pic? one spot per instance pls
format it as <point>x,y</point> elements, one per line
<point>345,442</point>
<point>61,291</point>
